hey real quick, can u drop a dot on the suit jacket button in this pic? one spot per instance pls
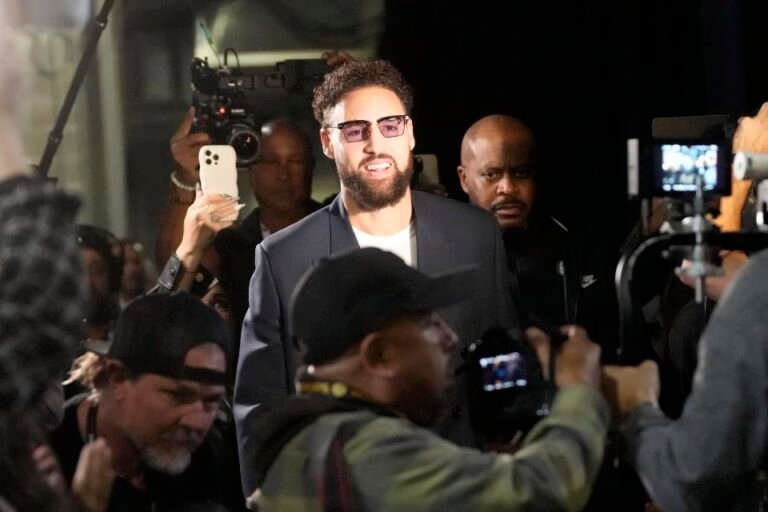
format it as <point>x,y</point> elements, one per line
<point>456,411</point>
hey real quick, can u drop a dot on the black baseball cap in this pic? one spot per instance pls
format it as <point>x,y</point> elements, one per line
<point>345,297</point>
<point>154,333</point>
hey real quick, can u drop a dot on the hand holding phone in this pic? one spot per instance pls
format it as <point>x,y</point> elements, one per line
<point>218,171</point>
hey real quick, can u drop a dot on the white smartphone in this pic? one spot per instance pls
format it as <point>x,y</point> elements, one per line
<point>218,170</point>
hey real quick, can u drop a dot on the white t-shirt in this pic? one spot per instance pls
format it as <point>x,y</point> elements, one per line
<point>402,243</point>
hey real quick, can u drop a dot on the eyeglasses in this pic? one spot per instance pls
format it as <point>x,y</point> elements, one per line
<point>356,131</point>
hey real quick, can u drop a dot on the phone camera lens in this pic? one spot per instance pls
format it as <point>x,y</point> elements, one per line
<point>215,157</point>
<point>207,152</point>
<point>208,161</point>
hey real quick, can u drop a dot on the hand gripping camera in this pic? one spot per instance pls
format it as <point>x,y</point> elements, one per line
<point>226,100</point>
<point>506,388</point>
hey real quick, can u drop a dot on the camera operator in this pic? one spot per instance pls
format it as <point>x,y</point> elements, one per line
<point>355,438</point>
<point>281,182</point>
<point>675,321</point>
<point>709,457</point>
<point>557,275</point>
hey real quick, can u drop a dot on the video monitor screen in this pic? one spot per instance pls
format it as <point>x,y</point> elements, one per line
<point>678,165</point>
<point>503,371</point>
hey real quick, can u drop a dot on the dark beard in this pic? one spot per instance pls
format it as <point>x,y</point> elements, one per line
<point>370,199</point>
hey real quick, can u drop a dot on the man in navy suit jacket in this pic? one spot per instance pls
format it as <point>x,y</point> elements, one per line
<point>363,109</point>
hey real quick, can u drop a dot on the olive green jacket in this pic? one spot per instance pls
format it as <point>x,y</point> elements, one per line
<point>391,464</point>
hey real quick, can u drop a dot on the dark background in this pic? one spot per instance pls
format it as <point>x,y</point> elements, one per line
<point>585,75</point>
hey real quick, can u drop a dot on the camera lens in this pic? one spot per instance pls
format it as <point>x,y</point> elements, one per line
<point>246,142</point>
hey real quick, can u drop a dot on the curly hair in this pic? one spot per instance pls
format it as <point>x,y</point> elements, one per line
<point>354,75</point>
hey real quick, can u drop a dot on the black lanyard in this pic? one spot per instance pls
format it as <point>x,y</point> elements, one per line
<point>90,423</point>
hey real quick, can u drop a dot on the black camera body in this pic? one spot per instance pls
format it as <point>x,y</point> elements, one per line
<point>506,388</point>
<point>227,101</point>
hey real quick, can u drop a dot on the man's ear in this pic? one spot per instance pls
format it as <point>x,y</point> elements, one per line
<point>411,137</point>
<point>325,141</point>
<point>117,378</point>
<point>462,178</point>
<point>375,356</point>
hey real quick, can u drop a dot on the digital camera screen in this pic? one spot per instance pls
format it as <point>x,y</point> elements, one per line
<point>680,164</point>
<point>503,371</point>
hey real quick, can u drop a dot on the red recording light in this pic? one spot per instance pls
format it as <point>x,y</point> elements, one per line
<point>223,111</point>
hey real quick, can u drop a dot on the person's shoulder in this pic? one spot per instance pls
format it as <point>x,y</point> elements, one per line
<point>298,234</point>
<point>751,279</point>
<point>759,262</point>
<point>68,422</point>
<point>449,209</point>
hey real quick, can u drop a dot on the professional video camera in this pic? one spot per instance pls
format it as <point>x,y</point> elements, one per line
<point>226,100</point>
<point>689,163</point>
<point>506,388</point>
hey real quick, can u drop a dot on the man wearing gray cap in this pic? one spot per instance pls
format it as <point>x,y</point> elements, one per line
<point>354,437</point>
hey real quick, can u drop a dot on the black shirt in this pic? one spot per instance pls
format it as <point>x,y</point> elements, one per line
<point>560,276</point>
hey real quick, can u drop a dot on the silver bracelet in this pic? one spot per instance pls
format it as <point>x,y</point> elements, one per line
<point>180,184</point>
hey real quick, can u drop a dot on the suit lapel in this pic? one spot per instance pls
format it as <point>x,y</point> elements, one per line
<point>342,238</point>
<point>431,239</point>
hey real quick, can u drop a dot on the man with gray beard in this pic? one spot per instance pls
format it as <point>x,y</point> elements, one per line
<point>363,109</point>
<point>155,392</point>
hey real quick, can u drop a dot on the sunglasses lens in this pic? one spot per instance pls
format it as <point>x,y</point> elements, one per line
<point>355,132</point>
<point>392,126</point>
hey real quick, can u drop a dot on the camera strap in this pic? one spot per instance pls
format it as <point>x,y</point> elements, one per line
<point>90,423</point>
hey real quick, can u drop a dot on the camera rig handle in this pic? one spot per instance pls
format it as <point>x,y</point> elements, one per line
<point>627,285</point>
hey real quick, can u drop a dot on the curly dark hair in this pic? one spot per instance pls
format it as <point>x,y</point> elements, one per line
<point>357,74</point>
